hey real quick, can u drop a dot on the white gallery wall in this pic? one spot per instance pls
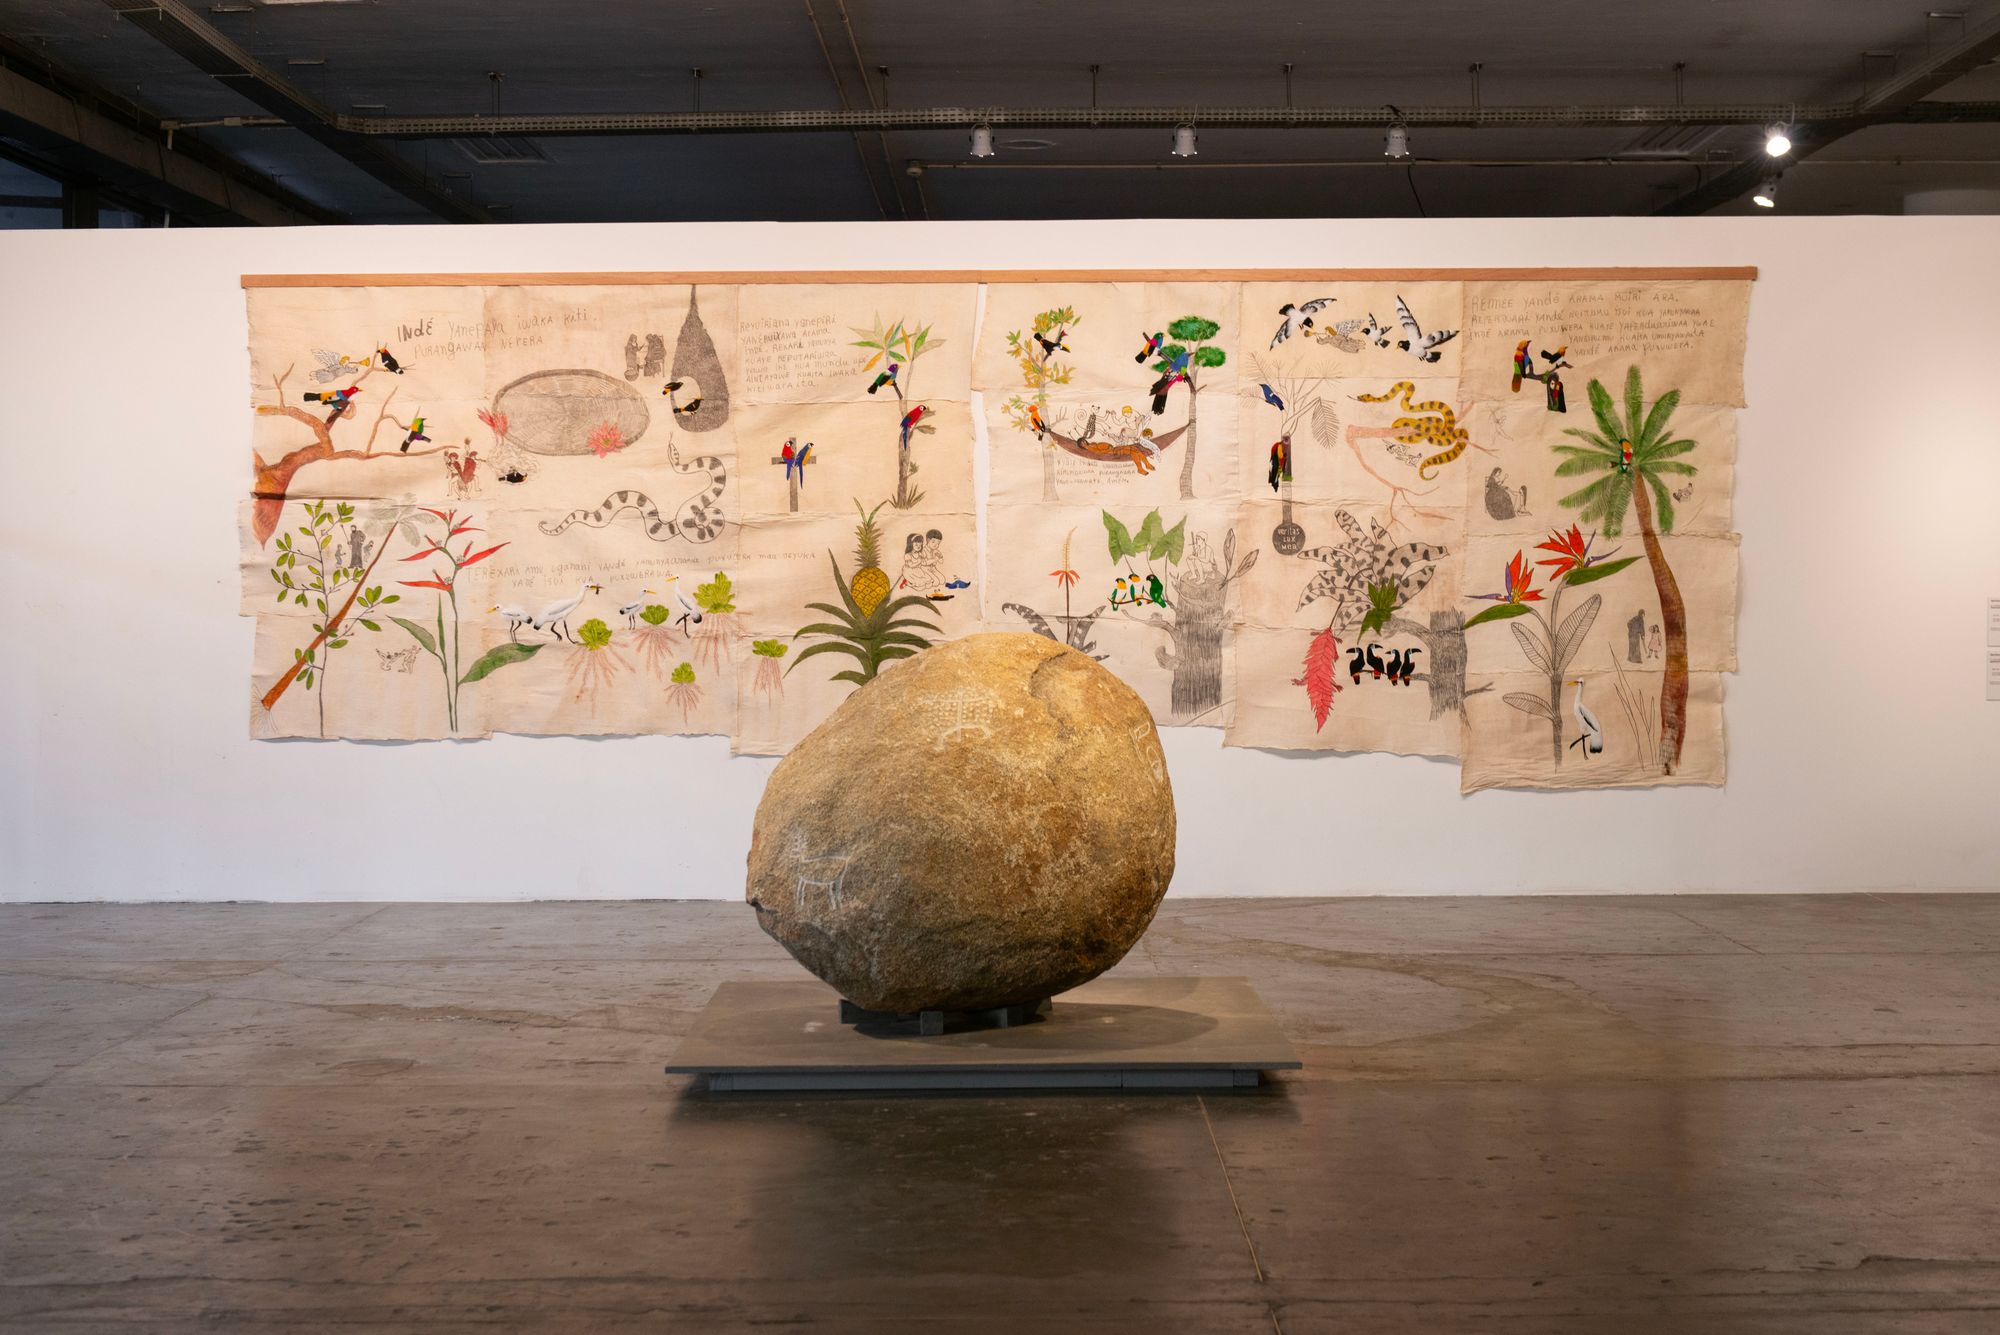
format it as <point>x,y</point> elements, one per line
<point>1863,753</point>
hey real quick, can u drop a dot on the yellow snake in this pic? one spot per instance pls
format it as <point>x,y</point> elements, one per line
<point>1443,429</point>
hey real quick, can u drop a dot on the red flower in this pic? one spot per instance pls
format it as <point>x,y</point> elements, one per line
<point>1066,578</point>
<point>1519,581</point>
<point>1571,551</point>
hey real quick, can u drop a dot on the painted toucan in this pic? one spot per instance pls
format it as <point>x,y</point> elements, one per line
<point>1051,346</point>
<point>1281,461</point>
<point>415,433</point>
<point>910,420</point>
<point>1395,667</point>
<point>1153,342</point>
<point>389,363</point>
<point>1409,664</point>
<point>1375,663</point>
<point>1354,664</point>
<point>887,377</point>
<point>1271,397</point>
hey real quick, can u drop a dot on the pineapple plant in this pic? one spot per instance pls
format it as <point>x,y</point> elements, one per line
<point>867,624</point>
<point>871,583</point>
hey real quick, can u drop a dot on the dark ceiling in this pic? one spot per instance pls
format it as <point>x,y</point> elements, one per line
<point>1902,106</point>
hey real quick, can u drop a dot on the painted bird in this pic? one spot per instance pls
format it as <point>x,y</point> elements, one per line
<point>1395,667</point>
<point>1035,420</point>
<point>1298,319</point>
<point>887,377</point>
<point>1153,343</point>
<point>1156,591</point>
<point>683,409</point>
<point>554,618</point>
<point>1625,456</point>
<point>1271,397</point>
<point>389,363</point>
<point>334,398</point>
<point>516,617</point>
<point>1557,358</point>
<point>1409,665</point>
<point>796,458</point>
<point>1355,665</point>
<point>631,610</point>
<point>910,420</point>
<point>1375,663</point>
<point>1051,346</point>
<point>415,433</point>
<point>1591,734</point>
<point>667,390</point>
<point>1424,347</point>
<point>690,613</point>
<point>1524,364</point>
<point>1281,461</point>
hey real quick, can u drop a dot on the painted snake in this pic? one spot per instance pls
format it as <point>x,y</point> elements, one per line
<point>1442,429</point>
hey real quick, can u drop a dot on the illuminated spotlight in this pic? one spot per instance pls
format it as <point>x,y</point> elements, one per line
<point>982,141</point>
<point>1397,144</point>
<point>1767,194</point>
<point>1184,142</point>
<point>1776,142</point>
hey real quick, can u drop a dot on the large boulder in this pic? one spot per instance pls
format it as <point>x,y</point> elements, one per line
<point>985,824</point>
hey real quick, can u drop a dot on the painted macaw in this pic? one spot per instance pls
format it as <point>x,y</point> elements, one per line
<point>333,398</point>
<point>1281,461</point>
<point>910,420</point>
<point>887,377</point>
<point>1624,456</point>
<point>1271,397</point>
<point>796,458</point>
<point>1524,364</point>
<point>1153,343</point>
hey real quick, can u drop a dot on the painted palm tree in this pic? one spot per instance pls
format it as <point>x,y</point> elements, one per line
<point>1634,454</point>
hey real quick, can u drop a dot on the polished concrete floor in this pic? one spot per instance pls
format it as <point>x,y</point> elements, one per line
<point>1690,1114</point>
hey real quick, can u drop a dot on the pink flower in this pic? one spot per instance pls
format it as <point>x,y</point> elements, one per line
<point>605,438</point>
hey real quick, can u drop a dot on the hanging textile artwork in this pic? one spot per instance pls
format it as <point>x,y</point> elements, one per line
<point>1480,515</point>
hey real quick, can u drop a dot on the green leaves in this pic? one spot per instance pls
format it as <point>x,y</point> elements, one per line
<point>498,657</point>
<point>1498,612</point>
<point>1193,329</point>
<point>594,634</point>
<point>768,648</point>
<point>419,634</point>
<point>1154,541</point>
<point>1381,606</point>
<point>714,596</point>
<point>1587,574</point>
<point>654,615</point>
<point>683,675</point>
<point>1210,357</point>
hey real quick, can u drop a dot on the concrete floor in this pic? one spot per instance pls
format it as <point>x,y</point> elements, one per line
<point>1689,1114</point>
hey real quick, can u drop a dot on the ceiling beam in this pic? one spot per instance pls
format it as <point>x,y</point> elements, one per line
<point>841,68</point>
<point>850,119</point>
<point>182,31</point>
<point>1899,101</point>
<point>83,142</point>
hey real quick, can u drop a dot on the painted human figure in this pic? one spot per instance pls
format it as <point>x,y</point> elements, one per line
<point>1635,637</point>
<point>1653,642</point>
<point>631,356</point>
<point>656,356</point>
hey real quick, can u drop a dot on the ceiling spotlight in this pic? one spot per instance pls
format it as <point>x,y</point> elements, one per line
<point>1776,142</point>
<point>1767,194</point>
<point>1397,143</point>
<point>982,141</point>
<point>1184,142</point>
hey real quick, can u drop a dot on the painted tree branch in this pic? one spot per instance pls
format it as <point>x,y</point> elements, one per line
<point>329,628</point>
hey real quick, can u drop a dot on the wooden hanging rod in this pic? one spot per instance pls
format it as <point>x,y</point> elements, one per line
<point>1743,273</point>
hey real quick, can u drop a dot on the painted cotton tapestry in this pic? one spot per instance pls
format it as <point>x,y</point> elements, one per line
<point>1484,516</point>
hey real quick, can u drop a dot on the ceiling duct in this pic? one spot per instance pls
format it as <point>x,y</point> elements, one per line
<point>501,150</point>
<point>1671,141</point>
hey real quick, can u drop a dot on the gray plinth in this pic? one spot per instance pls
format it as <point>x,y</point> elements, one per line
<point>1114,1033</point>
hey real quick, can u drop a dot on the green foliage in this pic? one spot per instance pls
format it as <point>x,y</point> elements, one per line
<point>1381,606</point>
<point>768,648</point>
<point>1586,574</point>
<point>498,657</point>
<point>1193,329</point>
<point>654,615</point>
<point>419,634</point>
<point>594,634</point>
<point>714,596</point>
<point>1210,357</point>
<point>872,639</point>
<point>1154,541</point>
<point>683,675</point>
<point>1607,500</point>
<point>1497,612</point>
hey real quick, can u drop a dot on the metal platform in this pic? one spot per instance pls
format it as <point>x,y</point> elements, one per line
<point>1114,1033</point>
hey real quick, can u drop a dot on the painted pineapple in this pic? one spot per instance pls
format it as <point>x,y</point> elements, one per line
<point>870,584</point>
